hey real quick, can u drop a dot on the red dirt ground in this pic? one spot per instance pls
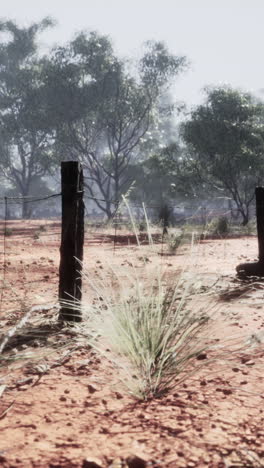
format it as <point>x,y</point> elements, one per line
<point>70,410</point>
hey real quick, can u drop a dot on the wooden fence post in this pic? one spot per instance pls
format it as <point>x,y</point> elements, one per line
<point>256,268</point>
<point>72,239</point>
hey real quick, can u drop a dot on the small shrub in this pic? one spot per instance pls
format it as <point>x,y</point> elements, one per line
<point>152,335</point>
<point>174,241</point>
<point>219,226</point>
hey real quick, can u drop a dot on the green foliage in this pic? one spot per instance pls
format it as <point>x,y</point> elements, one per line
<point>174,241</point>
<point>219,226</point>
<point>25,132</point>
<point>81,101</point>
<point>156,177</point>
<point>115,109</point>
<point>158,66</point>
<point>226,143</point>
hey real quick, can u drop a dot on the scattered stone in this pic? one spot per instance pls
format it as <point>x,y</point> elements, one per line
<point>136,462</point>
<point>92,388</point>
<point>48,419</point>
<point>35,343</point>
<point>92,463</point>
<point>119,395</point>
<point>63,398</point>
<point>201,356</point>
<point>245,360</point>
<point>104,430</point>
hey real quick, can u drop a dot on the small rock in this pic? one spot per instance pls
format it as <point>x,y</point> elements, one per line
<point>35,343</point>
<point>103,430</point>
<point>92,463</point>
<point>48,419</point>
<point>245,360</point>
<point>92,388</point>
<point>118,395</point>
<point>136,462</point>
<point>201,356</point>
<point>63,398</point>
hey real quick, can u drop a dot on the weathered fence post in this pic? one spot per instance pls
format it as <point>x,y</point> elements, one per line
<point>72,239</point>
<point>256,268</point>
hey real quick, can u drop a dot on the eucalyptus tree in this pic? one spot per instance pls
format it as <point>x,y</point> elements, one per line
<point>111,110</point>
<point>25,134</point>
<point>226,142</point>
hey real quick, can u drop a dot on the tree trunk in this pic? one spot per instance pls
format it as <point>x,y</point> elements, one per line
<point>26,210</point>
<point>245,218</point>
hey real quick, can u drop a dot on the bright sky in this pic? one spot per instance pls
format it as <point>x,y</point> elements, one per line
<point>223,39</point>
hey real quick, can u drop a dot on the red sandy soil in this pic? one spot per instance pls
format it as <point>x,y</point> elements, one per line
<point>70,409</point>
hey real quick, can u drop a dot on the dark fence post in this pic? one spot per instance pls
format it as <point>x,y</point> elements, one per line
<point>72,239</point>
<point>256,268</point>
<point>260,221</point>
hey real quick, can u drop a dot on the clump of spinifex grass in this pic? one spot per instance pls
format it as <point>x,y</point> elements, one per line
<point>158,335</point>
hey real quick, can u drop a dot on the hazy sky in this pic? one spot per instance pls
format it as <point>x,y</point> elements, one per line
<point>223,39</point>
